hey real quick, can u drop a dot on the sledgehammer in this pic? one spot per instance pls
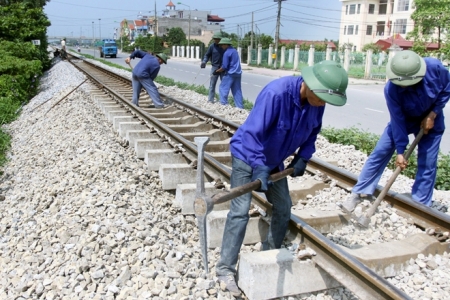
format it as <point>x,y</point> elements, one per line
<point>364,220</point>
<point>203,204</point>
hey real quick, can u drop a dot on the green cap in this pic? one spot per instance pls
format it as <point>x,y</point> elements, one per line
<point>406,68</point>
<point>225,41</point>
<point>163,57</point>
<point>217,35</point>
<point>328,80</point>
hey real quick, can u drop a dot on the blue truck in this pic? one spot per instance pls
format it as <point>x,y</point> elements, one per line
<point>108,48</point>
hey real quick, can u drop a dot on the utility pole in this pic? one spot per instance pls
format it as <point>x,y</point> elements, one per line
<point>277,34</point>
<point>251,34</point>
<point>93,38</point>
<point>155,32</point>
<point>238,34</point>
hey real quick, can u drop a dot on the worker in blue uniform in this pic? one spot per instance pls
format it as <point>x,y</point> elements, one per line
<point>232,74</point>
<point>417,91</point>
<point>286,118</point>
<point>214,53</point>
<point>144,73</point>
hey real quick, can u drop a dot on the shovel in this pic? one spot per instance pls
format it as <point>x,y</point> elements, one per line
<point>364,220</point>
<point>203,204</point>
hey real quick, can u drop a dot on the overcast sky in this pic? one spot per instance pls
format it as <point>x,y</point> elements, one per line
<point>300,19</point>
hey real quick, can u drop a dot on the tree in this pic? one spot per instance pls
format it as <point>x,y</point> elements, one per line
<point>175,37</point>
<point>265,40</point>
<point>430,15</point>
<point>372,46</point>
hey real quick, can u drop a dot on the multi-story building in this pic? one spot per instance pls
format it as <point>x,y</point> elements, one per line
<point>367,21</point>
<point>199,25</point>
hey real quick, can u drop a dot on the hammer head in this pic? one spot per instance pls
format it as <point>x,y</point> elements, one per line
<point>203,205</point>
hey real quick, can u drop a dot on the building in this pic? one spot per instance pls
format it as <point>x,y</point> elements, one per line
<point>199,25</point>
<point>367,21</point>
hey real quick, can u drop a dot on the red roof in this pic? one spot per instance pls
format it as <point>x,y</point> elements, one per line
<point>401,42</point>
<point>215,18</point>
<point>170,4</point>
<point>301,42</point>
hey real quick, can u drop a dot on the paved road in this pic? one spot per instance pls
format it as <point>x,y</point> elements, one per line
<point>365,108</point>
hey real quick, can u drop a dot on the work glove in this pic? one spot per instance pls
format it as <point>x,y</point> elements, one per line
<point>299,165</point>
<point>203,65</point>
<point>262,174</point>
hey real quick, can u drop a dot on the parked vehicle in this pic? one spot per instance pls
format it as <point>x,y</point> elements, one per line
<point>108,48</point>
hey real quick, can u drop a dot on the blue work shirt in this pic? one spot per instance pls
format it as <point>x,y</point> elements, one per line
<point>408,106</point>
<point>277,126</point>
<point>230,61</point>
<point>147,67</point>
<point>215,53</point>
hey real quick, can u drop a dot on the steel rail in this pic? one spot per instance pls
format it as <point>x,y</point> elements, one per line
<point>422,216</point>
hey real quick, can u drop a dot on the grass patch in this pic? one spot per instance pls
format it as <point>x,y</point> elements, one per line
<point>365,142</point>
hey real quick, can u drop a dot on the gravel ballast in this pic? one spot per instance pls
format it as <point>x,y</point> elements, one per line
<point>82,219</point>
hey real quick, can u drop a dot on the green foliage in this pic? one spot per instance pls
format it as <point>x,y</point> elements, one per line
<point>372,46</point>
<point>363,140</point>
<point>175,36</point>
<point>5,142</point>
<point>428,16</point>
<point>366,142</point>
<point>21,62</point>
<point>149,43</point>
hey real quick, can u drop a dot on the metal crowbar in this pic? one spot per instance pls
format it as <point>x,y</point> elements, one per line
<point>364,219</point>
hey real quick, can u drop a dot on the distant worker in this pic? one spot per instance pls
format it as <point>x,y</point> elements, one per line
<point>214,53</point>
<point>232,74</point>
<point>286,118</point>
<point>417,91</point>
<point>144,73</point>
<point>63,49</point>
<point>63,44</point>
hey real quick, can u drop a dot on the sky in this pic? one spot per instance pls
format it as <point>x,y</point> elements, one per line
<point>300,19</point>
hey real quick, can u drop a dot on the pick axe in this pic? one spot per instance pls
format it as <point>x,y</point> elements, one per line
<point>203,204</point>
<point>364,219</point>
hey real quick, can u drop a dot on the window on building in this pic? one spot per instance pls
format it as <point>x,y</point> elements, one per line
<point>346,9</point>
<point>345,30</point>
<point>356,30</point>
<point>359,9</point>
<point>380,28</point>
<point>350,30</point>
<point>371,9</point>
<point>383,7</point>
<point>400,26</point>
<point>369,30</point>
<point>403,5</point>
<point>352,9</point>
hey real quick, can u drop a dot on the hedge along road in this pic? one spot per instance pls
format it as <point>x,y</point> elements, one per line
<point>365,109</point>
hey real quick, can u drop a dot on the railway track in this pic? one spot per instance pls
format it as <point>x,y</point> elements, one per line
<point>164,139</point>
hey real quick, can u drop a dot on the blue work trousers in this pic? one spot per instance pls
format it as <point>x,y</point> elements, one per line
<point>148,84</point>
<point>233,82</point>
<point>237,218</point>
<point>212,84</point>
<point>427,153</point>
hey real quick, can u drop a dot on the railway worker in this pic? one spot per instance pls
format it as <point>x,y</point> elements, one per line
<point>232,73</point>
<point>416,93</point>
<point>214,53</point>
<point>144,73</point>
<point>287,116</point>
